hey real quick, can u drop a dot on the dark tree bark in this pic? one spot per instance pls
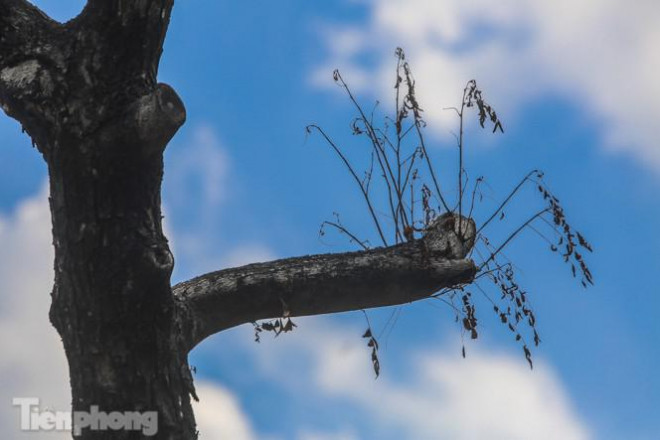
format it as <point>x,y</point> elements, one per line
<point>86,93</point>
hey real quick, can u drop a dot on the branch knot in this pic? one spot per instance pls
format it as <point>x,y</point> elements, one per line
<point>450,235</point>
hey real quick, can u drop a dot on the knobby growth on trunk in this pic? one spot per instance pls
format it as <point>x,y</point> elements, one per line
<point>86,92</point>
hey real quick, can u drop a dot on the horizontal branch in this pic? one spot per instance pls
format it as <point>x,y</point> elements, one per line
<point>330,283</point>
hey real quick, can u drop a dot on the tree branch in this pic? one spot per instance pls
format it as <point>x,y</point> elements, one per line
<point>26,37</point>
<point>22,28</point>
<point>330,283</point>
<point>135,29</point>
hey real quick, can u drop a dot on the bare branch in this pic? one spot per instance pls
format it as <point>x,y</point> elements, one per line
<point>330,283</point>
<point>136,32</point>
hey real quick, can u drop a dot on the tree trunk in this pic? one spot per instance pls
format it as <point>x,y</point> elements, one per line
<point>86,93</point>
<point>112,301</point>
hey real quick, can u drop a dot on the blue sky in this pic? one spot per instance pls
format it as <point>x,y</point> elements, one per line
<point>575,87</point>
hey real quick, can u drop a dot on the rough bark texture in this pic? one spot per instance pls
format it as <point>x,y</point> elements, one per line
<point>86,93</point>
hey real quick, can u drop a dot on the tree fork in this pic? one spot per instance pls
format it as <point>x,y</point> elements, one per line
<point>102,126</point>
<point>86,93</point>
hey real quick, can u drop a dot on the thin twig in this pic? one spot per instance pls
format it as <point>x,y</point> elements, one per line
<point>461,116</point>
<point>355,176</point>
<point>347,232</point>
<point>503,204</point>
<point>430,167</point>
<point>516,232</point>
<point>474,192</point>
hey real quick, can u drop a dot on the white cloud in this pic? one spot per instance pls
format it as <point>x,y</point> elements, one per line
<point>600,53</point>
<point>219,414</point>
<point>486,395</point>
<point>442,396</point>
<point>32,362</point>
